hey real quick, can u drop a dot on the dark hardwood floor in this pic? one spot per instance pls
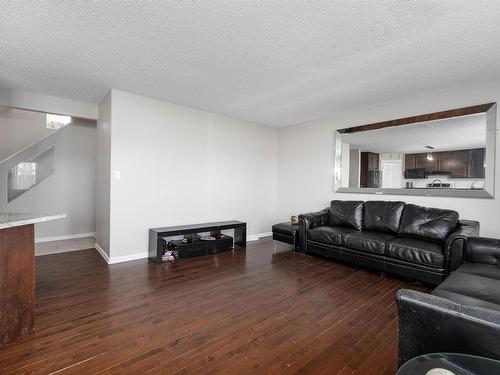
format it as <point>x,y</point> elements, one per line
<point>251,311</point>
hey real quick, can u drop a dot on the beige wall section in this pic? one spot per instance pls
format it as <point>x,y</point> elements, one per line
<point>306,157</point>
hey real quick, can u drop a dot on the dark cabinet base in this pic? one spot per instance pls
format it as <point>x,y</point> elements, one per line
<point>17,282</point>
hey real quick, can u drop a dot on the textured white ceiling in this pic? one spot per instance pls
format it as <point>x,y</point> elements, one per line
<point>276,63</point>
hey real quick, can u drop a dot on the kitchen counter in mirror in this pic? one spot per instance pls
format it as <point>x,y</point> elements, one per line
<point>446,189</point>
<point>422,191</point>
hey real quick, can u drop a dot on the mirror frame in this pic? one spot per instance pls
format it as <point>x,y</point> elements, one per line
<point>490,109</point>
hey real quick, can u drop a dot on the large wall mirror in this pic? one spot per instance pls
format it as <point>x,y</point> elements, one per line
<point>449,153</point>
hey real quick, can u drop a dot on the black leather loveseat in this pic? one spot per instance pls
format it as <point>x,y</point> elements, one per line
<point>462,315</point>
<point>394,237</point>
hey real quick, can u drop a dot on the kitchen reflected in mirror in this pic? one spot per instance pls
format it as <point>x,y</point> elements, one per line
<point>449,153</point>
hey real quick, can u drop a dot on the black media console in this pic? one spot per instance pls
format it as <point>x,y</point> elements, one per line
<point>156,236</point>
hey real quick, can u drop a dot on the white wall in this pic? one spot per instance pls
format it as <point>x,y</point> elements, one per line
<point>180,165</point>
<point>354,167</point>
<point>103,173</point>
<point>70,190</point>
<point>306,157</point>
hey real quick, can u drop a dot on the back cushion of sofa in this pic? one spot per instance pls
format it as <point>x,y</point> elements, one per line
<point>430,223</point>
<point>382,216</point>
<point>346,214</point>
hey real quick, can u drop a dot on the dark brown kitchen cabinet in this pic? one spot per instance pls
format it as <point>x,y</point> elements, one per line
<point>410,161</point>
<point>459,164</point>
<point>416,161</point>
<point>476,163</point>
<point>421,161</point>
<point>369,162</point>
<point>468,163</point>
<point>432,164</point>
<point>444,161</point>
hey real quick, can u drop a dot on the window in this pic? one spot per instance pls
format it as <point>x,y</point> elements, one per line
<point>23,176</point>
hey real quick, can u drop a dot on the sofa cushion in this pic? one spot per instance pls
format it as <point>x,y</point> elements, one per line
<point>429,223</point>
<point>371,242</point>
<point>328,235</point>
<point>416,251</point>
<point>483,250</point>
<point>460,284</point>
<point>466,300</point>
<point>346,214</point>
<point>478,269</point>
<point>382,216</point>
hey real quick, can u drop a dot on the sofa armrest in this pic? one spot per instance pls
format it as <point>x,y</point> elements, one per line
<point>483,250</point>
<point>456,243</point>
<point>431,324</point>
<point>310,221</point>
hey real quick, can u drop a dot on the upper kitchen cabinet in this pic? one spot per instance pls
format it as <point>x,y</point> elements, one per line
<point>444,161</point>
<point>410,161</point>
<point>431,163</point>
<point>416,161</point>
<point>458,164</point>
<point>476,163</point>
<point>421,161</point>
<point>459,167</point>
<point>468,163</point>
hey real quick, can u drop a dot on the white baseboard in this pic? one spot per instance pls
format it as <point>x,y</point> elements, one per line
<point>65,237</point>
<point>127,258</point>
<point>255,237</point>
<point>101,252</point>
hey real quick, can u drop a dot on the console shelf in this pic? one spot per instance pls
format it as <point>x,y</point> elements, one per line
<point>156,236</point>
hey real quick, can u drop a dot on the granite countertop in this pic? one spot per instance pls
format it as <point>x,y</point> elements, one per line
<point>10,220</point>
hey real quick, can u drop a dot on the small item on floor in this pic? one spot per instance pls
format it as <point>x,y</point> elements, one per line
<point>208,238</point>
<point>184,241</point>
<point>170,256</point>
<point>294,219</point>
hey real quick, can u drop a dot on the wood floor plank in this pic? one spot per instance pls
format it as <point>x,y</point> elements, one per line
<point>256,310</point>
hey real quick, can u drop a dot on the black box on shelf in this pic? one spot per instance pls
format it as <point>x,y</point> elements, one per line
<point>219,244</point>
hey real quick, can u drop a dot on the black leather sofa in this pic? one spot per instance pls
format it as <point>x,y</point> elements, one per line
<point>393,237</point>
<point>462,315</point>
